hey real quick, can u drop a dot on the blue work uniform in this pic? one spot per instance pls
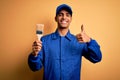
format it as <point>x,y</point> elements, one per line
<point>61,56</point>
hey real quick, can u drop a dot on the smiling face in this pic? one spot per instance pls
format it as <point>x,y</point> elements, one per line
<point>63,19</point>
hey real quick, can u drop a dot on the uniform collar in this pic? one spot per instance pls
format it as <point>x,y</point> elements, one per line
<point>57,35</point>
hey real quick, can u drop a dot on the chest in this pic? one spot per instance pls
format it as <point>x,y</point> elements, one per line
<point>63,49</point>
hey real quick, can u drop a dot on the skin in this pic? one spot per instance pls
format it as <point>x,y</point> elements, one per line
<point>82,36</point>
<point>63,20</point>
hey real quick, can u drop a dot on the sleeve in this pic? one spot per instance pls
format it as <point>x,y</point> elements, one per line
<point>36,63</point>
<point>92,51</point>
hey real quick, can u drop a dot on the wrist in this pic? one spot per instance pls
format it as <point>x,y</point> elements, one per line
<point>34,54</point>
<point>89,40</point>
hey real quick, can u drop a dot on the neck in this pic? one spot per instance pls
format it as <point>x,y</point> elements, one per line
<point>62,32</point>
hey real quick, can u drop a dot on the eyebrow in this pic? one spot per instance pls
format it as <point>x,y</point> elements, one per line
<point>65,13</point>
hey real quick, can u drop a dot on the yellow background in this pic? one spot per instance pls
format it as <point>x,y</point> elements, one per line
<point>18,19</point>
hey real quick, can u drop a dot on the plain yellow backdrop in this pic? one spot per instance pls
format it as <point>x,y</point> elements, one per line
<point>18,19</point>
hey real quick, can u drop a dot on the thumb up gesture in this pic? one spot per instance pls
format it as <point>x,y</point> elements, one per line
<point>82,36</point>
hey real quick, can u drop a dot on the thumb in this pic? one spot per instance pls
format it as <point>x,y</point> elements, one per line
<point>82,28</point>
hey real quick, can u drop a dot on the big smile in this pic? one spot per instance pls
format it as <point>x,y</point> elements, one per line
<point>63,22</point>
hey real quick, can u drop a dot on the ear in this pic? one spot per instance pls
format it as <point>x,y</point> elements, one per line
<point>55,18</point>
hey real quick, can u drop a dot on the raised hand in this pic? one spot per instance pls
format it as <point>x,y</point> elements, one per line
<point>82,36</point>
<point>36,47</point>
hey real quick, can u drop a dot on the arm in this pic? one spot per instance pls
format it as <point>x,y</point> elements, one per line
<point>35,59</point>
<point>35,62</point>
<point>92,51</point>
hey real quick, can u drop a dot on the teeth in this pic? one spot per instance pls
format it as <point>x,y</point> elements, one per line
<point>64,22</point>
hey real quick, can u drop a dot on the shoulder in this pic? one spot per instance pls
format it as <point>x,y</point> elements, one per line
<point>47,36</point>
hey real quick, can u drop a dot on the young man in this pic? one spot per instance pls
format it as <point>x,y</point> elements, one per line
<point>60,53</point>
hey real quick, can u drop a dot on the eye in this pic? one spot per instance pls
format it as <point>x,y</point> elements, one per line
<point>68,15</point>
<point>60,14</point>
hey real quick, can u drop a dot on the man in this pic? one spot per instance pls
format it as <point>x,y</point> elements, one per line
<point>60,53</point>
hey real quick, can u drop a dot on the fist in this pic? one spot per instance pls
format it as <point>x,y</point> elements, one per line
<point>36,47</point>
<point>82,36</point>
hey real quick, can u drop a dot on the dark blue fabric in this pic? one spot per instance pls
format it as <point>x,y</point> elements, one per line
<point>61,56</point>
<point>63,7</point>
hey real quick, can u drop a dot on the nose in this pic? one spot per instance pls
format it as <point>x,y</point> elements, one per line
<point>64,16</point>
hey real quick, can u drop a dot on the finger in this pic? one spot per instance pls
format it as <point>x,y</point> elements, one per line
<point>82,28</point>
<point>37,43</point>
<point>36,48</point>
<point>80,39</point>
<point>78,35</point>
